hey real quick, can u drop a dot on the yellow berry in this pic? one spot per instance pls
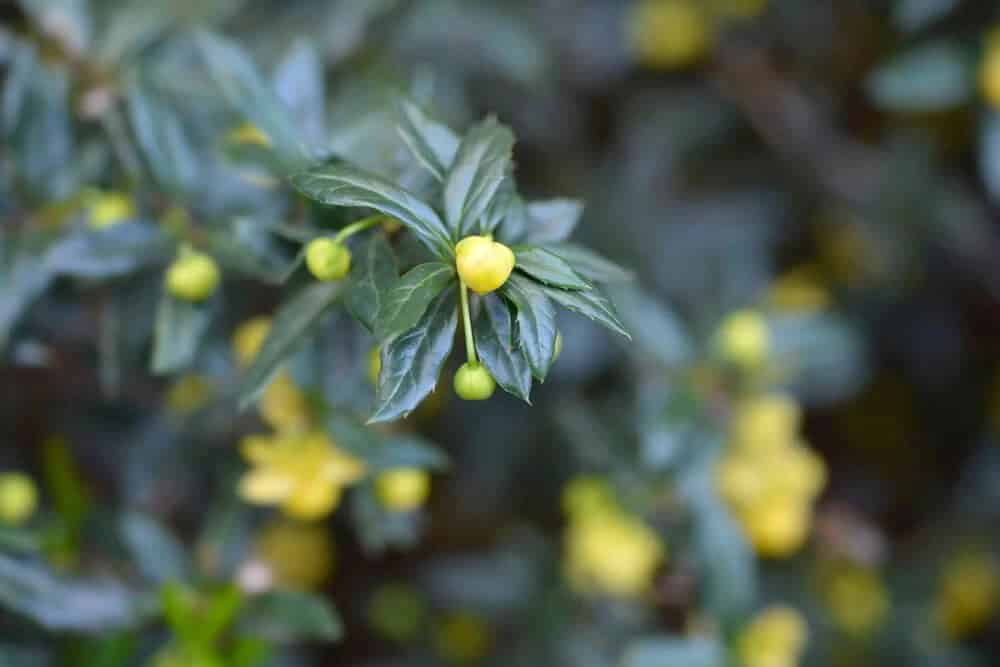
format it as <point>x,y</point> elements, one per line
<point>328,259</point>
<point>193,276</point>
<point>18,497</point>
<point>858,600</point>
<point>473,382</point>
<point>669,34</point>
<point>743,339</point>
<point>110,208</point>
<point>403,489</point>
<point>777,527</point>
<point>483,264</point>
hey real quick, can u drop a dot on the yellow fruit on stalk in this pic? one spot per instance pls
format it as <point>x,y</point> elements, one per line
<point>483,264</point>
<point>473,382</point>
<point>193,277</point>
<point>403,489</point>
<point>327,259</point>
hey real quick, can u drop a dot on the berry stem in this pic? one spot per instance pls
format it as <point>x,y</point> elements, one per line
<point>359,226</point>
<point>470,344</point>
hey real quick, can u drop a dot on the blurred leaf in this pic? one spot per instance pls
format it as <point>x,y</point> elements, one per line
<point>299,83</point>
<point>132,26</point>
<point>344,185</point>
<point>113,251</point>
<point>157,553</point>
<point>552,221</point>
<point>249,95</point>
<point>180,326</point>
<point>408,299</point>
<point>591,304</point>
<point>657,329</point>
<point>165,145</point>
<point>989,154</point>
<point>379,528</point>
<point>246,247</point>
<point>536,323</point>
<point>674,652</point>
<point>433,144</point>
<point>825,354</point>
<point>472,180</point>
<point>589,264</point>
<point>287,616</point>
<point>411,362</point>
<point>912,15</point>
<point>373,273</point>
<point>24,280</point>
<point>494,331</point>
<point>66,486</point>
<point>18,540</point>
<point>289,327</point>
<point>548,268</point>
<point>219,613</point>
<point>405,451</point>
<point>61,604</point>
<point>931,77</point>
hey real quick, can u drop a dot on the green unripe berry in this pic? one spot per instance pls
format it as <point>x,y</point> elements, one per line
<point>18,497</point>
<point>327,259</point>
<point>473,382</point>
<point>193,276</point>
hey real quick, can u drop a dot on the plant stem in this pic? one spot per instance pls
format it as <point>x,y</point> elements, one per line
<point>470,344</point>
<point>358,226</point>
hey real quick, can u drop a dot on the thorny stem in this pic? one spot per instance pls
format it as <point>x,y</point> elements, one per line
<point>470,344</point>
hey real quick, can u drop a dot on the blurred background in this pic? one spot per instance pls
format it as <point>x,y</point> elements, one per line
<point>793,461</point>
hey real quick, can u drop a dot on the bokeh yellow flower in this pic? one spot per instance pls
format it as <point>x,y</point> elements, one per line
<point>989,72</point>
<point>774,638</point>
<point>284,406</point>
<point>188,393</point>
<point>462,638</point>
<point>857,599</point>
<point>248,339</point>
<point>304,473</point>
<point>743,339</point>
<point>109,208</point>
<point>969,590</point>
<point>403,489</point>
<point>799,290</point>
<point>299,555</point>
<point>18,498</point>
<point>669,34</point>
<point>396,612</point>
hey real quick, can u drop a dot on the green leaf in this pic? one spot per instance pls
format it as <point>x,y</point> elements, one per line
<point>480,166</point>
<point>373,273</point>
<point>536,323</point>
<point>219,614</point>
<point>23,282</point>
<point>494,329</point>
<point>180,326</point>
<point>547,267</point>
<point>589,264</point>
<point>157,553</point>
<point>344,185</point>
<point>164,143</point>
<point>432,143</point>
<point>657,329</point>
<point>19,540</point>
<point>933,77</point>
<point>289,327</point>
<point>552,221</point>
<point>290,616</point>
<point>248,93</point>
<point>243,246</point>
<point>674,652</point>
<point>61,604</point>
<point>411,362</point>
<point>298,82</point>
<point>405,451</point>
<point>409,297</point>
<point>591,304</point>
<point>114,251</point>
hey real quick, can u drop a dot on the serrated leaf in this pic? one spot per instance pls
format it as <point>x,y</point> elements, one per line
<point>298,82</point>
<point>547,267</point>
<point>480,166</point>
<point>291,616</point>
<point>589,264</point>
<point>433,144</point>
<point>536,323</point>
<point>289,327</point>
<point>248,93</point>
<point>591,304</point>
<point>674,652</point>
<point>345,185</point>
<point>552,221</point>
<point>411,362</point>
<point>373,273</point>
<point>494,330</point>
<point>409,297</point>
<point>61,604</point>
<point>155,552</point>
<point>180,326</point>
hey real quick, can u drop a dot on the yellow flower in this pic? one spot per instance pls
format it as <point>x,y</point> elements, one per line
<point>857,599</point>
<point>989,73</point>
<point>403,489</point>
<point>778,526</point>
<point>611,552</point>
<point>283,405</point>
<point>110,208</point>
<point>798,291</point>
<point>18,498</point>
<point>188,394</point>
<point>248,134</point>
<point>248,338</point>
<point>299,555</point>
<point>483,264</point>
<point>774,638</point>
<point>968,595</point>
<point>743,339</point>
<point>396,612</point>
<point>462,637</point>
<point>586,494</point>
<point>303,473</point>
<point>668,34</point>
<point>766,423</point>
